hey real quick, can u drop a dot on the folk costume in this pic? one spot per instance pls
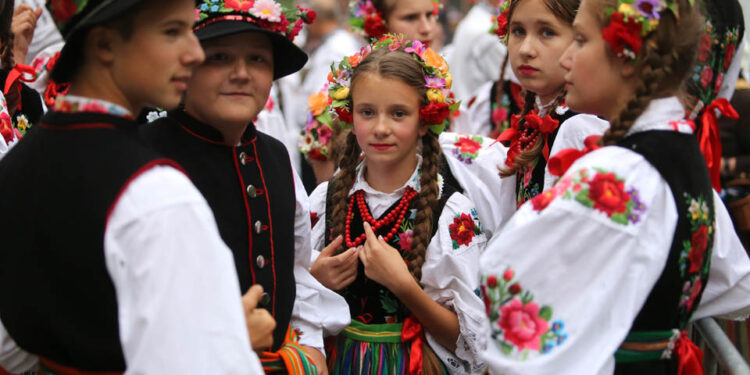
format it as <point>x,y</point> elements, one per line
<point>377,341</point>
<point>105,276</point>
<point>649,228</point>
<point>26,110</point>
<point>258,200</point>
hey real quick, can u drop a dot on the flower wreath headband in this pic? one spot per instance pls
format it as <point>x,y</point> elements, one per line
<point>441,101</point>
<point>632,21</point>
<point>500,23</point>
<point>367,20</point>
<point>267,14</point>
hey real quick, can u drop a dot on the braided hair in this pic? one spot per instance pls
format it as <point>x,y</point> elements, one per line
<point>663,65</point>
<point>6,35</point>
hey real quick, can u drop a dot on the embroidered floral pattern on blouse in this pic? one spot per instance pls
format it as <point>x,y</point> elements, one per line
<point>467,147</point>
<point>73,104</point>
<point>605,192</point>
<point>406,231</point>
<point>464,228</point>
<point>695,257</point>
<point>519,325</point>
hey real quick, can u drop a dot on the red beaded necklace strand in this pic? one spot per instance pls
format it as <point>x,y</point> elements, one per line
<point>396,216</point>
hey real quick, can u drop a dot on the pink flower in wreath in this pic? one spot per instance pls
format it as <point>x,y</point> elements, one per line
<point>522,325</point>
<point>267,10</point>
<point>706,75</point>
<point>404,240</point>
<point>239,5</point>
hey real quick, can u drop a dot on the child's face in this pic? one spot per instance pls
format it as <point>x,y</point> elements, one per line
<point>386,120</point>
<point>413,18</point>
<point>232,86</point>
<point>596,79</point>
<point>536,41</point>
<point>152,67</point>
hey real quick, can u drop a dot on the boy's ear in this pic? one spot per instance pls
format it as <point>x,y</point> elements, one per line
<point>102,42</point>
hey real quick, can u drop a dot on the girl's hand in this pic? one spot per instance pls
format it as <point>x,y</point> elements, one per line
<point>335,272</point>
<point>23,25</point>
<point>383,263</point>
<point>260,323</point>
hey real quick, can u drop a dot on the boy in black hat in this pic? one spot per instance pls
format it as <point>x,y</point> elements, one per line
<point>111,261</point>
<point>246,176</point>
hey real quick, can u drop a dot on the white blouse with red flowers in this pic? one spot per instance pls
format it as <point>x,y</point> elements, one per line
<point>450,271</point>
<point>565,279</point>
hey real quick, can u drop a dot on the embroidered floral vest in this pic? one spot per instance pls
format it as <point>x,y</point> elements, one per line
<point>370,302</point>
<point>678,291</point>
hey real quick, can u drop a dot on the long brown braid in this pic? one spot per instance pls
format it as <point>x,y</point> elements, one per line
<point>564,10</point>
<point>664,63</point>
<point>6,35</point>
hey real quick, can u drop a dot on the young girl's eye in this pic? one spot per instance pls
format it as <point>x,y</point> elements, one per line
<point>548,33</point>
<point>399,114</point>
<point>411,17</point>
<point>366,112</point>
<point>258,58</point>
<point>217,57</point>
<point>518,31</point>
<point>173,32</point>
<point>578,39</point>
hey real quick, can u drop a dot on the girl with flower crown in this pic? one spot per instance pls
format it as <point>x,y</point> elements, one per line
<point>619,295</point>
<point>416,19</point>
<point>407,243</point>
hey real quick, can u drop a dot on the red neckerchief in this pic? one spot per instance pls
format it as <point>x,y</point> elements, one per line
<point>523,139</point>
<point>562,160</point>
<point>708,137</point>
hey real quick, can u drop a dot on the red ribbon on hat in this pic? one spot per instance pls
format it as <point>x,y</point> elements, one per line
<point>560,163</point>
<point>708,137</point>
<point>18,74</point>
<point>689,356</point>
<point>411,330</point>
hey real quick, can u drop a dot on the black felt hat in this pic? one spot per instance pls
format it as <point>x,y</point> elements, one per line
<point>74,18</point>
<point>216,18</point>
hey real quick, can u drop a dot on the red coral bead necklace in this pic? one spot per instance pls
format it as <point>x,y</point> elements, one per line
<point>396,216</point>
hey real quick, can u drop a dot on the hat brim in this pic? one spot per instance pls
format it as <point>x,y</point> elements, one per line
<point>66,64</point>
<point>287,57</point>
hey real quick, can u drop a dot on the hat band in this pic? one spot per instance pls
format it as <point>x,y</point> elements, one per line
<point>227,17</point>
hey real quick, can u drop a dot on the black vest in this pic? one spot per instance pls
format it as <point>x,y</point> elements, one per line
<point>678,159</point>
<point>59,185</point>
<point>251,191</point>
<point>370,302</point>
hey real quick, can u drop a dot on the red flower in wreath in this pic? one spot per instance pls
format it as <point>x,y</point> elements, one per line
<point>344,115</point>
<point>541,201</point>
<point>462,229</point>
<point>374,25</point>
<point>704,47</point>
<point>698,246</point>
<point>467,145</point>
<point>435,113</point>
<point>63,10</point>
<point>239,5</point>
<point>729,55</point>
<point>623,35</point>
<point>608,194</point>
<point>502,24</point>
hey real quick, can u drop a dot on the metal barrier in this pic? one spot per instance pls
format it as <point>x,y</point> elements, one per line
<point>722,357</point>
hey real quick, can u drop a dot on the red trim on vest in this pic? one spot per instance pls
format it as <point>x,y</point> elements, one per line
<point>270,224</point>
<point>196,135</point>
<point>247,210</point>
<point>64,370</point>
<point>137,174</point>
<point>102,125</point>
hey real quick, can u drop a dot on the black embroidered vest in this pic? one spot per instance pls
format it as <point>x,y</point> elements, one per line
<point>250,189</point>
<point>678,291</point>
<point>59,185</point>
<point>370,302</point>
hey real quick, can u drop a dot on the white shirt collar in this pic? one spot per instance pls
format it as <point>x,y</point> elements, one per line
<point>361,184</point>
<point>662,114</point>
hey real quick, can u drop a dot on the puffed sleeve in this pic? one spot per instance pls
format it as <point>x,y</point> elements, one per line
<point>316,311</point>
<point>565,279</point>
<point>571,134</point>
<point>475,113</point>
<point>474,160</point>
<point>318,219</point>
<point>727,293</point>
<point>450,277</point>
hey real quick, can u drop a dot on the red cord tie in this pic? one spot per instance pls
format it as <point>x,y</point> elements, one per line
<point>412,331</point>
<point>709,140</point>
<point>560,163</point>
<point>689,356</point>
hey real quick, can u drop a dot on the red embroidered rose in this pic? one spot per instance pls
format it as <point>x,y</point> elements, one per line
<point>694,293</point>
<point>698,245</point>
<point>543,200</point>
<point>6,127</point>
<point>522,324</point>
<point>729,56</point>
<point>706,75</point>
<point>492,281</point>
<point>514,289</point>
<point>434,113</point>
<point>608,194</point>
<point>462,229</point>
<point>704,48</point>
<point>621,35</point>
<point>344,115</point>
<point>508,275</point>
<point>719,81</point>
<point>467,145</point>
<point>374,26</point>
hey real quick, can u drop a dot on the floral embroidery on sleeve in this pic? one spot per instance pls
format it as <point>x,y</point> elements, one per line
<point>695,257</point>
<point>519,325</point>
<point>605,192</point>
<point>467,147</point>
<point>464,228</point>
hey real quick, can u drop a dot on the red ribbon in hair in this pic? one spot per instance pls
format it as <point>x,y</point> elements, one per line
<point>412,331</point>
<point>18,74</point>
<point>708,137</point>
<point>689,356</point>
<point>560,163</point>
<point>546,126</point>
